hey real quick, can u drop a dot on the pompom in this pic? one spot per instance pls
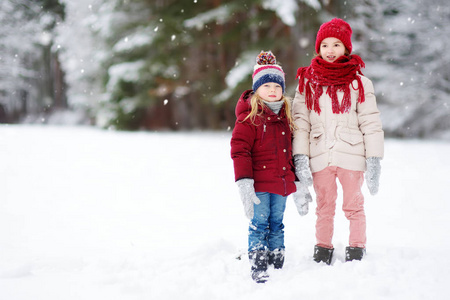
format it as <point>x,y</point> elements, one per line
<point>266,58</point>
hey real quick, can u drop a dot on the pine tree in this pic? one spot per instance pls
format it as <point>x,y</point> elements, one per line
<point>169,64</point>
<point>27,59</point>
<point>402,44</point>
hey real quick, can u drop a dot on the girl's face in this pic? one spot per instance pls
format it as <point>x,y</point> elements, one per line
<point>270,91</point>
<point>331,49</point>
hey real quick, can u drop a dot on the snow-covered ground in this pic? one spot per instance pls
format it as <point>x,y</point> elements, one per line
<point>91,214</point>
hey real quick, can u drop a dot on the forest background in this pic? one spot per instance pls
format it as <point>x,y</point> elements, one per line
<point>161,65</point>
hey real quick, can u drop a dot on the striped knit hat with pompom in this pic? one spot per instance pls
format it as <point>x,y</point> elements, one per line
<point>266,70</point>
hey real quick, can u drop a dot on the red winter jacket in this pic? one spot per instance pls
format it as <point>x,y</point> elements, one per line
<point>263,151</point>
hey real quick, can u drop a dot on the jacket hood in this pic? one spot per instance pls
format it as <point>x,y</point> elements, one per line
<point>243,105</point>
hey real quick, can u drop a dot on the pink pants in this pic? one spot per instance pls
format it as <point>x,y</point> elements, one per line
<point>353,205</point>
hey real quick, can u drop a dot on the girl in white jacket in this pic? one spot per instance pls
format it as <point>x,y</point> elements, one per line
<point>339,136</point>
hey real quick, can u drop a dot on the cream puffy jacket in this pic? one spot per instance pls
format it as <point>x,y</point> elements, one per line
<point>342,140</point>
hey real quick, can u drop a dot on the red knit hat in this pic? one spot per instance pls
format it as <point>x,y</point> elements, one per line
<point>336,28</point>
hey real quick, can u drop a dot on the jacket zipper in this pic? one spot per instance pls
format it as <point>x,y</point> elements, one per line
<point>264,131</point>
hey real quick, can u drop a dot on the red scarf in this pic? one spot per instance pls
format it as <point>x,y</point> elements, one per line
<point>337,76</point>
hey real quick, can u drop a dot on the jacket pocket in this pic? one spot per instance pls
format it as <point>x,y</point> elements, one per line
<point>263,165</point>
<point>316,135</point>
<point>353,137</point>
<point>317,141</point>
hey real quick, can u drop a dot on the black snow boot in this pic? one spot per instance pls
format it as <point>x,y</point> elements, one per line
<point>276,258</point>
<point>322,254</point>
<point>258,262</point>
<point>354,253</point>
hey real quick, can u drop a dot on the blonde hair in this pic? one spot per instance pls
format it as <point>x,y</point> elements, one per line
<point>256,101</point>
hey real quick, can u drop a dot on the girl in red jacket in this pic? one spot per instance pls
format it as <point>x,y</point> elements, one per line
<point>261,149</point>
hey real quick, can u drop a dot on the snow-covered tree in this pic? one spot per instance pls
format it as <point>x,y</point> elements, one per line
<point>404,45</point>
<point>153,64</point>
<point>182,64</point>
<point>28,66</point>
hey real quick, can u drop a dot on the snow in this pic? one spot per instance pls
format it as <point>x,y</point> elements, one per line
<point>127,71</point>
<point>285,9</point>
<point>220,15</point>
<point>92,214</point>
<point>138,39</point>
<point>243,68</point>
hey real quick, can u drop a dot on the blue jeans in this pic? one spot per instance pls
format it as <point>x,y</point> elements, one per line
<point>266,227</point>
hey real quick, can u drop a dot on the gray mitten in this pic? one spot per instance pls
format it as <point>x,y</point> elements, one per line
<point>248,195</point>
<point>302,197</point>
<point>373,174</point>
<point>302,170</point>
